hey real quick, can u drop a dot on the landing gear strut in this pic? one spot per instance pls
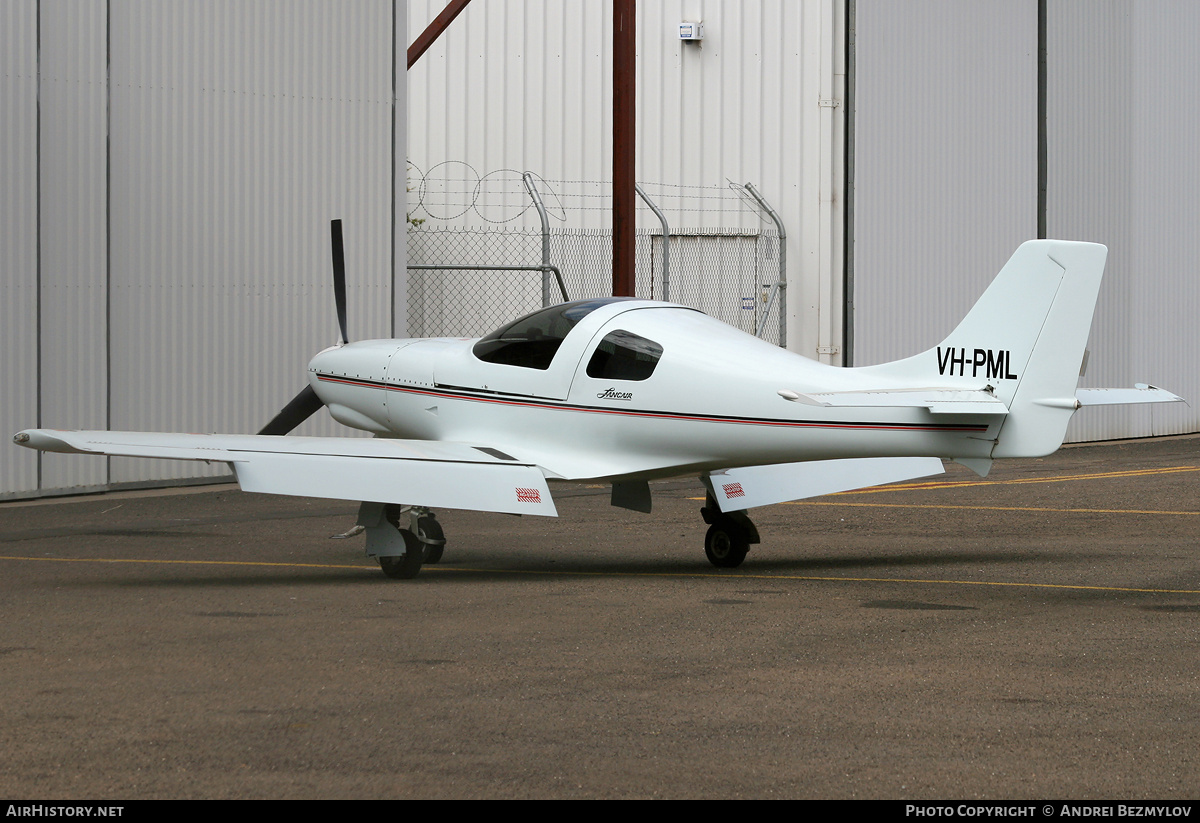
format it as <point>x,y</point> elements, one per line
<point>730,535</point>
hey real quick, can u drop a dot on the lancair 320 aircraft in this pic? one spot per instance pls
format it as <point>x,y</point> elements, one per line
<point>624,391</point>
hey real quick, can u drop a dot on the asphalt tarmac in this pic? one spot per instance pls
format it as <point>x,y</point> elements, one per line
<point>1034,634</point>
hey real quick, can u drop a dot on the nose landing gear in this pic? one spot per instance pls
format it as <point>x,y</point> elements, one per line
<point>401,551</point>
<point>425,526</point>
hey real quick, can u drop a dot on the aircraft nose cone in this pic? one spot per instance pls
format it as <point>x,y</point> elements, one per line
<point>327,360</point>
<point>361,363</point>
<point>348,379</point>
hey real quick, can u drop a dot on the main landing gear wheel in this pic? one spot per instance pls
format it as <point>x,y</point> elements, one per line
<point>729,537</point>
<point>408,565</point>
<point>726,544</point>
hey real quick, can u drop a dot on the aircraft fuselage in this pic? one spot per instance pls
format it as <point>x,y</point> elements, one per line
<point>712,401</point>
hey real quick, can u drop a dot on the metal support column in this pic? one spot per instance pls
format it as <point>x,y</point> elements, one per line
<point>527,177</point>
<point>777,291</point>
<point>624,175</point>
<point>666,268</point>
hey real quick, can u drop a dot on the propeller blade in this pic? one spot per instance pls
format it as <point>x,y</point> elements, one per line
<point>302,407</point>
<point>339,276</point>
<point>305,404</point>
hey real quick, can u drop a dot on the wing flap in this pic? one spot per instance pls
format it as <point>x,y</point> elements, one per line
<point>492,487</point>
<point>745,488</point>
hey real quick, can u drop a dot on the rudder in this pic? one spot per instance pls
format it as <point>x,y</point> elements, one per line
<point>1044,399</point>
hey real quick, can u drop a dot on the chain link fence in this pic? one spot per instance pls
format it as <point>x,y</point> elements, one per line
<point>728,273</point>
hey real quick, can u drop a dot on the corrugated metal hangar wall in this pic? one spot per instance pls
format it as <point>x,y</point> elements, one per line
<point>526,85</point>
<point>945,177</point>
<point>169,170</point>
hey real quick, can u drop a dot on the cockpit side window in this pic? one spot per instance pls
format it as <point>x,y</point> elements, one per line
<point>532,341</point>
<point>623,355</point>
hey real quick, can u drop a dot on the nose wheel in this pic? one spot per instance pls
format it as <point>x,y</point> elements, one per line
<point>401,551</point>
<point>406,566</point>
<point>729,537</point>
<point>429,531</point>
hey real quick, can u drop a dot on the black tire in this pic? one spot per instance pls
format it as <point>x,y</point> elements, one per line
<point>407,566</point>
<point>429,532</point>
<point>726,544</point>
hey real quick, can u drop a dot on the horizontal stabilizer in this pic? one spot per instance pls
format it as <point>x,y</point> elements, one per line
<point>745,488</point>
<point>1140,393</point>
<point>411,472</point>
<point>938,401</point>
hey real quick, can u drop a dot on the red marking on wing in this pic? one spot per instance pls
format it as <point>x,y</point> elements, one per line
<point>733,490</point>
<point>529,495</point>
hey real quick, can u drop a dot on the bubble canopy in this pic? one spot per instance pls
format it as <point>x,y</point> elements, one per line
<point>532,341</point>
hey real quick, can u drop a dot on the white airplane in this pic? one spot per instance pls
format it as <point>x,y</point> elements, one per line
<point>624,391</point>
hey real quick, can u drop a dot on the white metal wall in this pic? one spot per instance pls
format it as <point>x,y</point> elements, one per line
<point>945,154</point>
<point>1123,78</point>
<point>527,85</point>
<point>18,234</point>
<point>166,210</point>
<point>72,230</point>
<point>946,178</point>
<point>169,169</point>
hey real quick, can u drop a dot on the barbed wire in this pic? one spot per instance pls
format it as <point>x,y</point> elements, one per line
<point>452,188</point>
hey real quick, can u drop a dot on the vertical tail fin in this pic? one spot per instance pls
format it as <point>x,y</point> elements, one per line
<point>1025,338</point>
<point>1044,396</point>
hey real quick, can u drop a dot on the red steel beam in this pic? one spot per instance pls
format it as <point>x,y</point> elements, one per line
<point>434,29</point>
<point>624,179</point>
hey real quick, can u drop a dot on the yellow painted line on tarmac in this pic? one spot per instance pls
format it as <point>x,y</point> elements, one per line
<point>986,508</point>
<point>954,484</point>
<point>1050,509</point>
<point>182,562</point>
<point>736,576</point>
<point>729,575</point>
<point>1072,586</point>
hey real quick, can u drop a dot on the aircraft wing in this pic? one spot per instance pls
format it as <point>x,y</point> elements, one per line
<point>938,401</point>
<point>752,486</point>
<point>380,470</point>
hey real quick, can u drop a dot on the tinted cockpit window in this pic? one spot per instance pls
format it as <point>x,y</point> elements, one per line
<point>623,355</point>
<point>533,340</point>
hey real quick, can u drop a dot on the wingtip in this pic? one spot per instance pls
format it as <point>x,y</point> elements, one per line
<point>42,440</point>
